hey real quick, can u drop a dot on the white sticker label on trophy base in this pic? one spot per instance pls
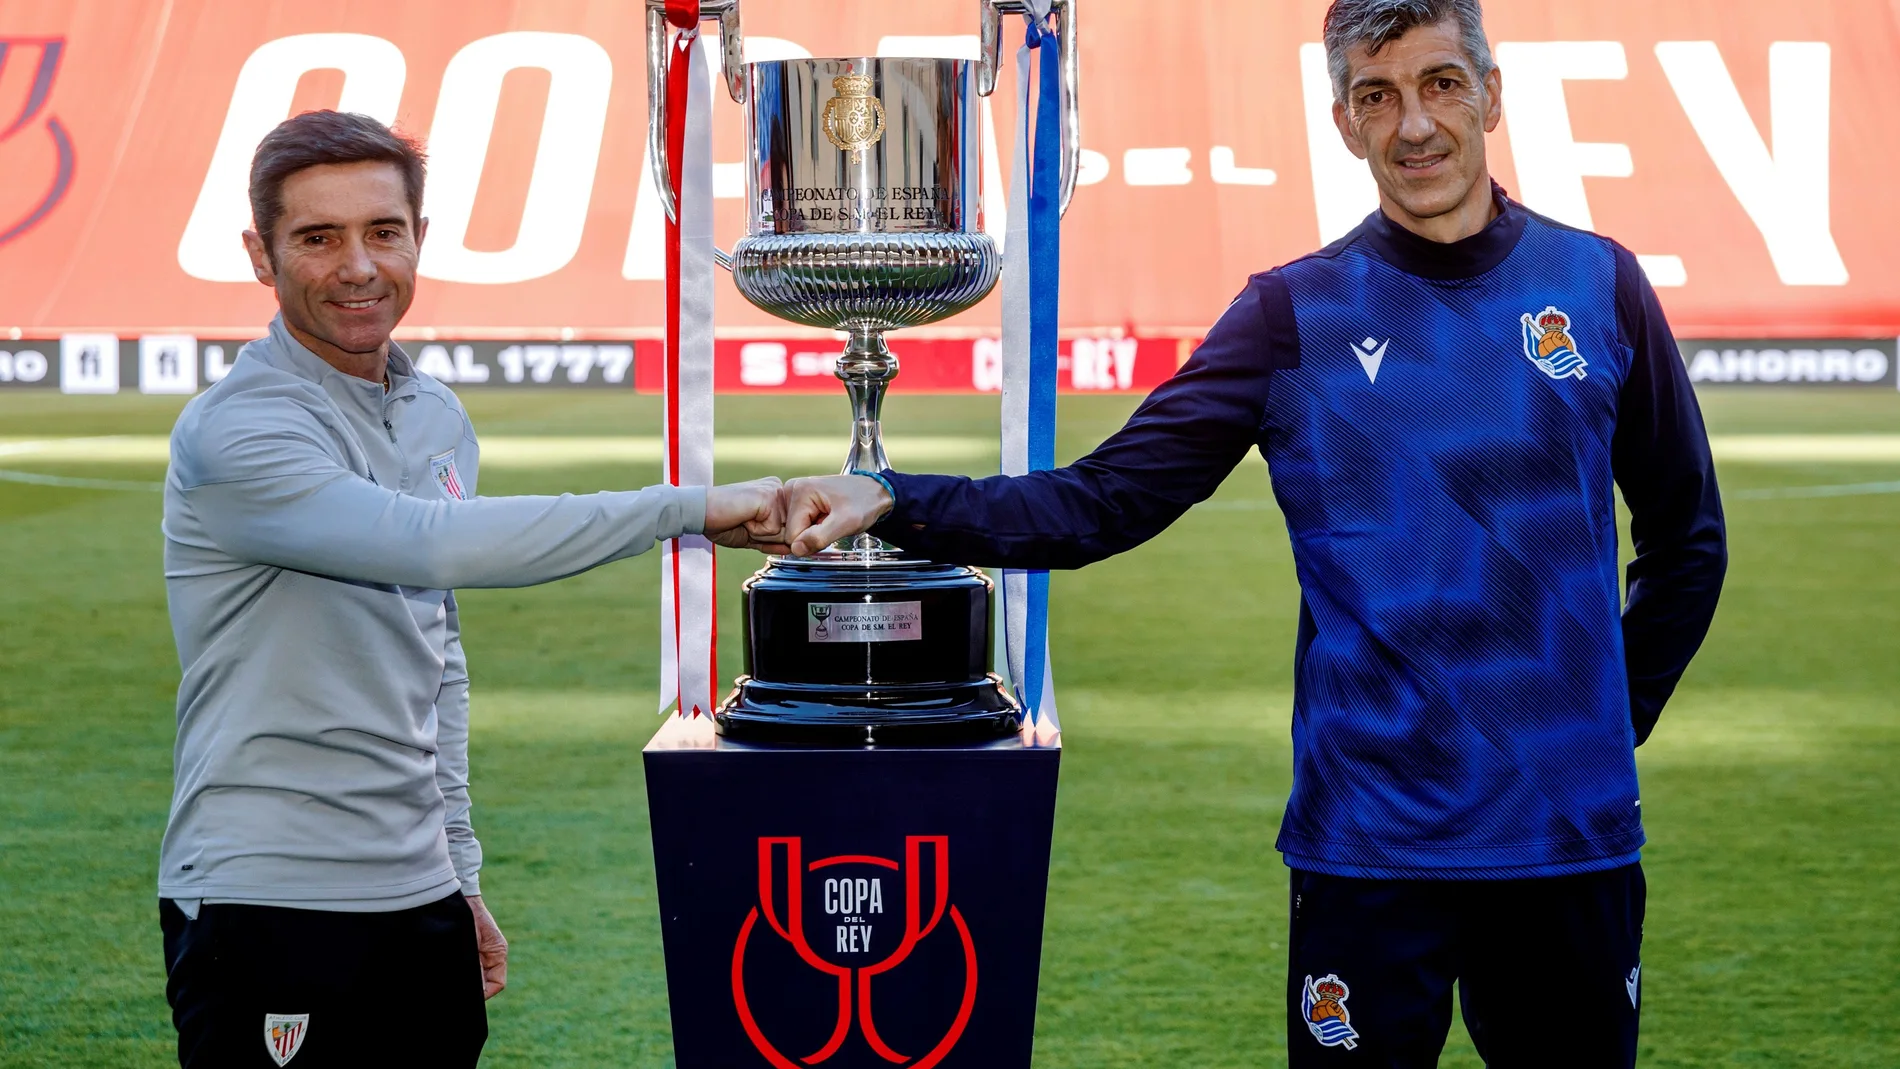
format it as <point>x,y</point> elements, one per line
<point>859,621</point>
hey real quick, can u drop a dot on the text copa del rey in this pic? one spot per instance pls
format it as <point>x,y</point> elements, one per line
<point>853,901</point>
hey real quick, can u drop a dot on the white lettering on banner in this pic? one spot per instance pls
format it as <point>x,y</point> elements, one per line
<point>986,365</point>
<point>1157,166</point>
<point>216,368</point>
<point>1092,169</point>
<point>763,363</point>
<point>89,363</point>
<point>1102,363</point>
<point>645,260</point>
<point>1789,365</point>
<point>168,363</point>
<point>813,364</point>
<point>433,361</point>
<point>25,365</point>
<point>1784,192</point>
<point>373,74</point>
<point>1225,172</point>
<point>1664,270</point>
<point>1551,163</point>
<point>1343,190</point>
<point>467,370</point>
<point>538,363</point>
<point>562,183</point>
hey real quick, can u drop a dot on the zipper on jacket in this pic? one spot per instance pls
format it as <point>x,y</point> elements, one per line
<point>389,427</point>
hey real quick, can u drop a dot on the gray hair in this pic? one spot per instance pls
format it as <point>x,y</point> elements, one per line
<point>1377,23</point>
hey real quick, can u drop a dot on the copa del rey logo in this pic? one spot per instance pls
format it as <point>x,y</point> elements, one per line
<point>829,934</point>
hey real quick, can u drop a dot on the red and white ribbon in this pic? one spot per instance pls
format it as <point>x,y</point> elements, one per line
<point>689,628</point>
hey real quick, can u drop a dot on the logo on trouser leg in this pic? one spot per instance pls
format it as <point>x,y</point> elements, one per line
<point>1633,983</point>
<point>283,1034</point>
<point>1323,1004</point>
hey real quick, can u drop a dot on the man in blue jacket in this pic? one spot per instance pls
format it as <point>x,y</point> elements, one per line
<point>1447,397</point>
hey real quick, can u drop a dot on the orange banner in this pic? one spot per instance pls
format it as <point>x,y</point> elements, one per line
<point>1743,148</point>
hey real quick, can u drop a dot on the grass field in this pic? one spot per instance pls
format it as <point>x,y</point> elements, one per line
<point>1772,787</point>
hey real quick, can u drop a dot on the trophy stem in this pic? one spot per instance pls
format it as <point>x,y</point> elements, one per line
<point>866,367</point>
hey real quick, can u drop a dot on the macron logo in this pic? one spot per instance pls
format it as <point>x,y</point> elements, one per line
<point>1371,354</point>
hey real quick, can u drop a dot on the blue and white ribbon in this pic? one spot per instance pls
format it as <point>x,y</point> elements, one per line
<point>1031,273</point>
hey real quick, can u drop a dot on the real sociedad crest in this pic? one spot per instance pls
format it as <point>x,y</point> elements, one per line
<point>1548,344</point>
<point>1323,1005</point>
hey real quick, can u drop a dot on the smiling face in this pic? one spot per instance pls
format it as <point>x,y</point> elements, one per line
<point>1417,112</point>
<point>342,258</point>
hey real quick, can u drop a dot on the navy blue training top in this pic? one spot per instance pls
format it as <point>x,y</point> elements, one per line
<point>1443,424</point>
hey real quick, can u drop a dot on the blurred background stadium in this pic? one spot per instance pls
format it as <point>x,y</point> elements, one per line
<point>1743,149</point>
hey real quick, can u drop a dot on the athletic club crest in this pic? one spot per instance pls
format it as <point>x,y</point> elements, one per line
<point>1323,1005</point>
<point>1548,344</point>
<point>284,1034</point>
<point>854,119</point>
<point>442,466</point>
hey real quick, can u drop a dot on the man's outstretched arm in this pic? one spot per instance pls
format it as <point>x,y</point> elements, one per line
<point>1172,453</point>
<point>270,492</point>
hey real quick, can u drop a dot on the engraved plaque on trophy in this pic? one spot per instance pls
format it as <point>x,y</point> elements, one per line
<point>864,215</point>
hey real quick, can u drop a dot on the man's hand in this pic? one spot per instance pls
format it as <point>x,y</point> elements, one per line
<point>747,515</point>
<point>491,946</point>
<point>821,510</point>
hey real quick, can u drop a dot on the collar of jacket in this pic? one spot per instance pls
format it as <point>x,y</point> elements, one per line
<point>289,354</point>
<point>1465,258</point>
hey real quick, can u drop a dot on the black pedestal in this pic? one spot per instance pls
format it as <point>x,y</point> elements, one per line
<point>849,649</point>
<point>850,908</point>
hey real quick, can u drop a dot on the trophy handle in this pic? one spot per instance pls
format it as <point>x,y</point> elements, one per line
<point>992,37</point>
<point>732,62</point>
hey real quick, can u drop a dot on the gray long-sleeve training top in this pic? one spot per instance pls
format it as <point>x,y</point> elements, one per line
<point>315,530</point>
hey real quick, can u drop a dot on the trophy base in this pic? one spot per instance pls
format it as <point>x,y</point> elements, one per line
<point>843,714</point>
<point>868,647</point>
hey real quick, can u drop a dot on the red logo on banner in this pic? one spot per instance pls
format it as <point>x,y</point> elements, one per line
<point>38,89</point>
<point>859,903</point>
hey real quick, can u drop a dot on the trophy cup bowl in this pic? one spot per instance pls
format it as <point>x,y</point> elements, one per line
<point>864,215</point>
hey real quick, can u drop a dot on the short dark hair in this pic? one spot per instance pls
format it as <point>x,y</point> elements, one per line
<point>1377,23</point>
<point>319,137</point>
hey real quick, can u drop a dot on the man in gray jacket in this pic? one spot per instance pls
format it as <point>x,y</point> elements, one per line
<point>320,896</point>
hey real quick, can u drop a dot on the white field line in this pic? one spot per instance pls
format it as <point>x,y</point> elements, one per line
<point>818,453</point>
<point>1807,448</point>
<point>72,482</point>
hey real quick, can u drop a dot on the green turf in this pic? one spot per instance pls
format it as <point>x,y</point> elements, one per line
<point>1770,787</point>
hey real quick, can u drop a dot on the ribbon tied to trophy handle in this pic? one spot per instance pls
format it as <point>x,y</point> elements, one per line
<point>659,49</point>
<point>991,57</point>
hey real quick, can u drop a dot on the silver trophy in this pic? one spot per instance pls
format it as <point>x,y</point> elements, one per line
<point>864,214</point>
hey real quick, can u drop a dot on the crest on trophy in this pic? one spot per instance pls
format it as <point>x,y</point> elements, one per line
<point>854,119</point>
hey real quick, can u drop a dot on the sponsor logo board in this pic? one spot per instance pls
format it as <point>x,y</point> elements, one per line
<point>1791,362</point>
